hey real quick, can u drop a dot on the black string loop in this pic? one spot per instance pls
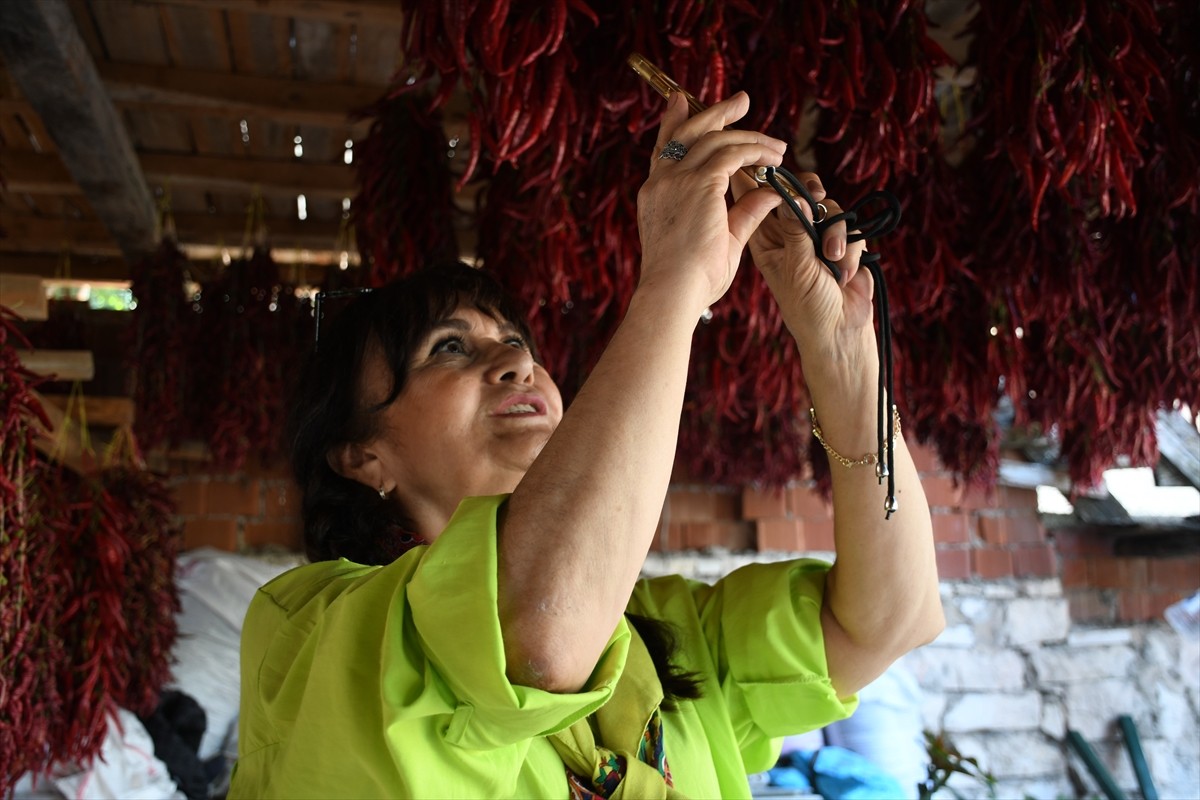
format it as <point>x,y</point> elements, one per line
<point>862,226</point>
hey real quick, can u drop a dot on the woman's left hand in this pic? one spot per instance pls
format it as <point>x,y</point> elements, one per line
<point>830,320</point>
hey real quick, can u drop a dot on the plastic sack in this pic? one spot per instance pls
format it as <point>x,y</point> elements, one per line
<point>126,768</point>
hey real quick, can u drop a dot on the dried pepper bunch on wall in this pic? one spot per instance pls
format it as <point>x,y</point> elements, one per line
<point>246,320</point>
<point>158,340</point>
<point>407,177</point>
<point>214,366</point>
<point>1073,167</point>
<point>88,600</point>
<point>29,646</point>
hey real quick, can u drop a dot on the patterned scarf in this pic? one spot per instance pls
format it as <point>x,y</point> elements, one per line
<point>618,751</point>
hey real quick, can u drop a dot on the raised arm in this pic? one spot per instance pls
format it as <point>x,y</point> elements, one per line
<point>881,597</point>
<point>577,528</point>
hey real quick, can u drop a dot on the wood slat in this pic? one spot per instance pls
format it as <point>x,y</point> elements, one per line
<point>377,12</point>
<point>131,31</point>
<point>87,268</point>
<point>271,140</point>
<point>26,295</point>
<point>98,268</point>
<point>315,51</point>
<point>1179,443</point>
<point>13,134</point>
<point>63,365</point>
<point>30,234</point>
<point>84,22</point>
<point>281,34</point>
<point>195,37</point>
<point>171,38</point>
<point>218,136</point>
<point>234,96</point>
<point>187,199</point>
<point>377,55</point>
<point>241,44</point>
<point>21,125</point>
<point>44,174</point>
<point>163,131</point>
<point>102,412</point>
<point>341,54</point>
<point>202,135</point>
<point>40,140</point>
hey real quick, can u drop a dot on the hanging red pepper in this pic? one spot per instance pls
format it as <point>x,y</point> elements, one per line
<point>30,648</point>
<point>158,345</point>
<point>1059,138</point>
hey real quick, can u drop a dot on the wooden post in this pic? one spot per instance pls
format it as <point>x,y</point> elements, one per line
<point>26,295</point>
<point>50,62</point>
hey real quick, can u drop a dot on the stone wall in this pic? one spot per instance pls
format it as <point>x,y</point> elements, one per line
<point>1012,673</point>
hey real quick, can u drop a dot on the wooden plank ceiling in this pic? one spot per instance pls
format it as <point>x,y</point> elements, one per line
<point>207,100</point>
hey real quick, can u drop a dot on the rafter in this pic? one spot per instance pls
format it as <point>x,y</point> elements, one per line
<point>50,63</point>
<point>378,12</point>
<point>222,94</point>
<point>27,233</point>
<point>113,268</point>
<point>38,173</point>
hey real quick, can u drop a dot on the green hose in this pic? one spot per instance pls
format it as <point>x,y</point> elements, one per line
<point>1133,744</point>
<point>1102,776</point>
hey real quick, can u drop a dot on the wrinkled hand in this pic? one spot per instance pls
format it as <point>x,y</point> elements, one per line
<point>830,320</point>
<point>690,236</point>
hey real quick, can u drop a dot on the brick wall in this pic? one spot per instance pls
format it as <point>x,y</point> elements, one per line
<point>979,537</point>
<point>1103,587</point>
<point>254,510</point>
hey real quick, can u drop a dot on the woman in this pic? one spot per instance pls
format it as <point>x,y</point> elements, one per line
<point>496,658</point>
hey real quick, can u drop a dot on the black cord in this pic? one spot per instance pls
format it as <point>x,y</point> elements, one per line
<point>864,226</point>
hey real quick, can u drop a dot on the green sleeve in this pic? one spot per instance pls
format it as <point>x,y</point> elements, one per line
<point>762,637</point>
<point>415,647</point>
<point>452,598</point>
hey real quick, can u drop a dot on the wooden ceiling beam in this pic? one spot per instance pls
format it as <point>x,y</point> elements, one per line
<point>218,172</point>
<point>106,269</point>
<point>376,12</point>
<point>38,173</point>
<point>52,66</point>
<point>235,96</point>
<point>52,266</point>
<point>27,233</point>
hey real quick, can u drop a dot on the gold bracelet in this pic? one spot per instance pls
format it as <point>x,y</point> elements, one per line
<point>865,461</point>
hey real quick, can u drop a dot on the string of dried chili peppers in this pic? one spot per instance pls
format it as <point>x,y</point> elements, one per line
<point>244,339</point>
<point>1080,119</point>
<point>1076,105</point>
<point>403,174</point>
<point>158,348</point>
<point>153,537</point>
<point>30,649</point>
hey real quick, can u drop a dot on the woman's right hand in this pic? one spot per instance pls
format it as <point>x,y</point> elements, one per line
<point>591,501</point>
<point>690,236</point>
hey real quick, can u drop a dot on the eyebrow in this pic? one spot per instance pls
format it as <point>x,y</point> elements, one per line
<point>456,324</point>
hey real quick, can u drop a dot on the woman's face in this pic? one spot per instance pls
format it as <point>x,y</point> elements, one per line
<point>474,413</point>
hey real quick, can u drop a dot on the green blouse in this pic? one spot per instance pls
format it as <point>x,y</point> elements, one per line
<point>390,681</point>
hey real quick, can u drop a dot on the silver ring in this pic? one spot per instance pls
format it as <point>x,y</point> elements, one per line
<point>674,150</point>
<point>823,211</point>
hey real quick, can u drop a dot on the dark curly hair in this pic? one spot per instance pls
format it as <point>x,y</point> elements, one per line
<point>343,518</point>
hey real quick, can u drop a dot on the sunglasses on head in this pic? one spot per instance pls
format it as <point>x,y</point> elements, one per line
<point>319,303</point>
